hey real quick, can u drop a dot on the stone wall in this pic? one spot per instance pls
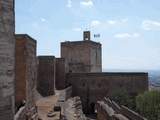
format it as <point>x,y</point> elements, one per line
<point>20,88</point>
<point>60,74</point>
<point>26,69</point>
<point>72,109</point>
<point>109,110</point>
<point>25,114</point>
<point>82,56</point>
<point>20,115</point>
<point>46,75</point>
<point>7,59</point>
<point>92,87</point>
<point>31,70</point>
<point>65,94</point>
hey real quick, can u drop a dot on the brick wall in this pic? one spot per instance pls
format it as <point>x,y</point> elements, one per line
<point>60,73</point>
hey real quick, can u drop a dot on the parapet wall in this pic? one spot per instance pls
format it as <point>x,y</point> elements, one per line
<point>109,110</point>
<point>72,109</point>
<point>92,87</point>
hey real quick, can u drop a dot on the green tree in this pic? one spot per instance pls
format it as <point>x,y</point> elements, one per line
<point>122,97</point>
<point>148,105</point>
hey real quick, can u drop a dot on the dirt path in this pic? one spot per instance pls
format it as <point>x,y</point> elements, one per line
<point>44,105</point>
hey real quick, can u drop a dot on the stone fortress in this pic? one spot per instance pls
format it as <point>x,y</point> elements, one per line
<point>77,71</point>
<point>82,56</point>
<point>83,65</point>
<point>80,66</point>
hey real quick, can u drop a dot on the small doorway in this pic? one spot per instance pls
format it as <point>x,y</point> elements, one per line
<point>92,108</point>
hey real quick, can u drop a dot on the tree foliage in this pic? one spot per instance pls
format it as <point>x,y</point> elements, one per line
<point>122,97</point>
<point>148,105</point>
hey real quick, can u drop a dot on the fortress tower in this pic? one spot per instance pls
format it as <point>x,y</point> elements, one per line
<point>7,59</point>
<point>82,56</point>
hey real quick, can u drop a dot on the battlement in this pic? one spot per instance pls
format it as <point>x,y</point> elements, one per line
<point>87,42</point>
<point>109,74</point>
<point>95,86</point>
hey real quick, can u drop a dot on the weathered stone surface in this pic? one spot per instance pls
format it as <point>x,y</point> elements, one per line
<point>72,109</point>
<point>46,75</point>
<point>60,73</point>
<point>82,56</point>
<point>20,115</point>
<point>92,87</point>
<point>64,94</point>
<point>132,115</point>
<point>26,114</point>
<point>26,69</point>
<point>7,59</point>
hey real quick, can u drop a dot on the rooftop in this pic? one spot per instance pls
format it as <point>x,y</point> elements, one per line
<point>80,42</point>
<point>26,36</point>
<point>110,74</point>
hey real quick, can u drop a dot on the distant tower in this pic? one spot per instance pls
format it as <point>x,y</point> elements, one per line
<point>82,56</point>
<point>86,35</point>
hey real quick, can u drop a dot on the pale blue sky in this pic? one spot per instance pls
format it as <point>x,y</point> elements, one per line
<point>130,29</point>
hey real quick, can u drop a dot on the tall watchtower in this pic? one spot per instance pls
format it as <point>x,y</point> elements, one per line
<point>7,59</point>
<point>82,56</point>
